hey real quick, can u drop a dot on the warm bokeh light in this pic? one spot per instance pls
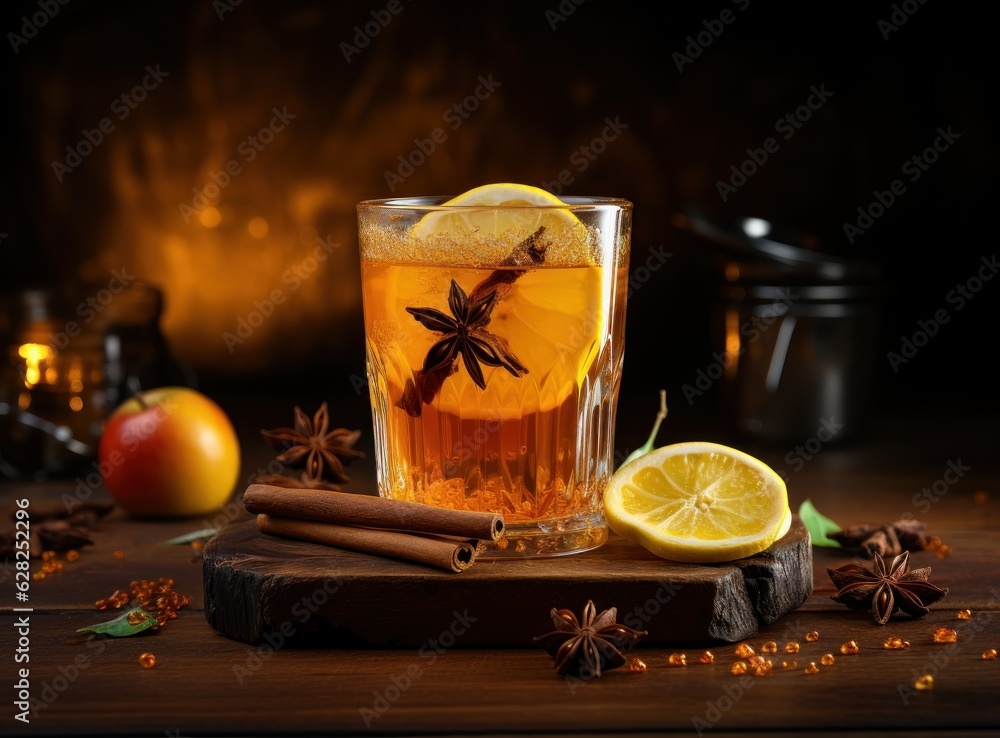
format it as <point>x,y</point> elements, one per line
<point>732,341</point>
<point>258,227</point>
<point>210,217</point>
<point>34,354</point>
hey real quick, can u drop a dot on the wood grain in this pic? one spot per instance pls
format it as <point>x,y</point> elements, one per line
<point>255,584</point>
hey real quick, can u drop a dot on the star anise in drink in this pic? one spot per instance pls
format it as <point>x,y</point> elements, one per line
<point>599,644</point>
<point>886,587</point>
<point>463,333</point>
<point>312,446</point>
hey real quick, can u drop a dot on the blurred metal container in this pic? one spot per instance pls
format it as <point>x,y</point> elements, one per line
<point>796,328</point>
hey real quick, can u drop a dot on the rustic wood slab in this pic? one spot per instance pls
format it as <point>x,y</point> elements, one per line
<point>260,588</point>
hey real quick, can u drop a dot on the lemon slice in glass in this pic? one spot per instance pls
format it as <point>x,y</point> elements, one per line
<point>551,316</point>
<point>698,502</point>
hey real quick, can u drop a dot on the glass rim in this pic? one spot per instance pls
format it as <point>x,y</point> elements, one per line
<point>432,203</point>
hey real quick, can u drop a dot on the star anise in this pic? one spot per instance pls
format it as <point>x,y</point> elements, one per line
<point>600,643</point>
<point>312,446</point>
<point>464,334</point>
<point>886,588</point>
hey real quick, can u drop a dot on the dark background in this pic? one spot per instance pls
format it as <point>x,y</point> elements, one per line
<point>120,207</point>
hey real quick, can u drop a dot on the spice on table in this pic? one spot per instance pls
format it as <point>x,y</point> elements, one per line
<point>763,668</point>
<point>812,668</point>
<point>885,539</point>
<point>677,659</point>
<point>72,555</point>
<point>945,635</point>
<point>596,645</point>
<point>990,654</point>
<point>311,445</point>
<point>895,643</point>
<point>981,497</point>
<point>924,683</point>
<point>769,647</point>
<point>739,667</point>
<point>119,555</point>
<point>886,588</point>
<point>812,636</point>
<point>789,664</point>
<point>147,660</point>
<point>637,665</point>
<point>965,614</point>
<point>744,650</point>
<point>791,647</point>
<point>156,597</point>
<point>850,648</point>
<point>827,659</point>
<point>707,658</point>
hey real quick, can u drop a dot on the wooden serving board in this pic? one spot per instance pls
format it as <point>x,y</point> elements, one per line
<point>263,589</point>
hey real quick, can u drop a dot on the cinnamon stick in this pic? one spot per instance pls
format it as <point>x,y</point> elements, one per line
<point>453,555</point>
<point>346,508</point>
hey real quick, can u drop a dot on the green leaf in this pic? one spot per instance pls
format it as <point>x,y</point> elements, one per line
<point>650,443</point>
<point>818,525</point>
<point>120,627</point>
<point>199,535</point>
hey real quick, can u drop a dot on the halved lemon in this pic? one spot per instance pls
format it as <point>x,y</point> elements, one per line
<point>552,316</point>
<point>698,502</point>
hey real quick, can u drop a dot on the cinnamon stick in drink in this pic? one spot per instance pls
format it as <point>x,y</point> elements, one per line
<point>346,508</point>
<point>451,555</point>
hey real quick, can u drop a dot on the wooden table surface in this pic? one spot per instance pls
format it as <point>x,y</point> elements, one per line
<point>204,684</point>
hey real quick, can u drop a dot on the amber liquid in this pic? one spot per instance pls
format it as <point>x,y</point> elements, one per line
<point>536,448</point>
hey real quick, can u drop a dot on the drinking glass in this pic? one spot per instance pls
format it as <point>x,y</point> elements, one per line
<point>494,340</point>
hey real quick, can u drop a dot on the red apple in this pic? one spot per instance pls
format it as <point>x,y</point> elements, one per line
<point>169,452</point>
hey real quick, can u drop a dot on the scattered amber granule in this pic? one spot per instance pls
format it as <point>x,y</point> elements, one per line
<point>851,647</point>
<point>812,668</point>
<point>789,664</point>
<point>924,683</point>
<point>990,654</point>
<point>965,614</point>
<point>119,555</point>
<point>812,636</point>
<point>739,667</point>
<point>707,658</point>
<point>147,660</point>
<point>945,635</point>
<point>769,647</point>
<point>791,647</point>
<point>895,643</point>
<point>827,659</point>
<point>677,659</point>
<point>636,664</point>
<point>744,650</point>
